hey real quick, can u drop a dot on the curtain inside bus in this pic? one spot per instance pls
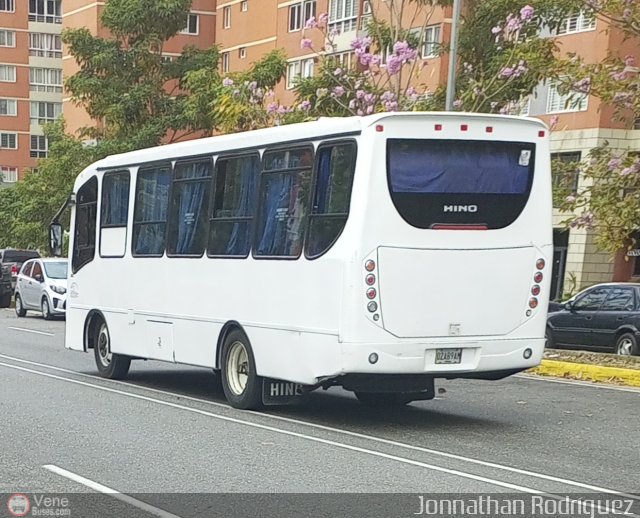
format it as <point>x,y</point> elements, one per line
<point>152,199</point>
<point>190,208</point>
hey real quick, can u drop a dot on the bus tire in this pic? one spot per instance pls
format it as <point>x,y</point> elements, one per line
<point>384,399</point>
<point>241,385</point>
<point>110,365</point>
<point>20,311</point>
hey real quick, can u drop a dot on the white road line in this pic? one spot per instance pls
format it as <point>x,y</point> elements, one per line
<point>577,383</point>
<point>373,453</point>
<point>30,331</point>
<point>350,433</point>
<point>108,491</point>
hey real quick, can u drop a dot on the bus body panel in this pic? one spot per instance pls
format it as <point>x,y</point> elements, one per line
<point>307,320</point>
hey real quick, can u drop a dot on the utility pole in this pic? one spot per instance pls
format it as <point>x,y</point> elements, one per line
<point>453,55</point>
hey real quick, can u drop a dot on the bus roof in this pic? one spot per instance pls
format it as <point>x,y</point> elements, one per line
<point>322,128</point>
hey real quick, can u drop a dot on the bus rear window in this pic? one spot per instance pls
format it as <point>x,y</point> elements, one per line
<point>467,182</point>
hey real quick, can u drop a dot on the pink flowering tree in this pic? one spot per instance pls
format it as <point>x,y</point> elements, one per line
<point>608,200</point>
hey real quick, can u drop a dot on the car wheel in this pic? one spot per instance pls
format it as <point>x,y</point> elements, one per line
<point>46,310</point>
<point>549,341</point>
<point>5,301</point>
<point>110,365</point>
<point>388,400</point>
<point>627,345</point>
<point>20,311</point>
<point>241,384</point>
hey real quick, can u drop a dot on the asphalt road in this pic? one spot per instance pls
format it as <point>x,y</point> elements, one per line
<point>167,429</point>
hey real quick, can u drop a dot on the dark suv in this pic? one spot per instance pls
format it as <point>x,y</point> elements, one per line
<point>10,263</point>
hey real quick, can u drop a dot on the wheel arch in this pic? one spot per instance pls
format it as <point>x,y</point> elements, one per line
<point>624,330</point>
<point>226,329</point>
<point>90,323</point>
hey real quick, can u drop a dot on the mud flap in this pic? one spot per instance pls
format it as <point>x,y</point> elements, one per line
<point>278,392</point>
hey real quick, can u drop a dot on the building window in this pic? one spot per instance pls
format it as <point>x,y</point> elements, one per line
<point>225,62</point>
<point>226,17</point>
<point>44,112</point>
<point>343,59</point>
<point>45,45</point>
<point>45,11</point>
<point>242,52</point>
<point>300,13</point>
<point>566,178</point>
<point>569,102</point>
<point>343,15</point>
<point>583,21</point>
<point>193,25</point>
<point>8,140</point>
<point>189,208</point>
<point>9,174</point>
<point>8,107</point>
<point>7,38</point>
<point>8,73</point>
<point>45,80</point>
<point>299,69</point>
<point>244,6</point>
<point>234,205</point>
<point>8,6</point>
<point>431,44</point>
<point>284,202</point>
<point>39,146</point>
<point>150,212</point>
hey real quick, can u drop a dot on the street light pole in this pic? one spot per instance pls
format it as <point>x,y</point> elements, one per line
<point>453,55</point>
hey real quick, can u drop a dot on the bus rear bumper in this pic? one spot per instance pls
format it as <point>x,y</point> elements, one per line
<point>482,359</point>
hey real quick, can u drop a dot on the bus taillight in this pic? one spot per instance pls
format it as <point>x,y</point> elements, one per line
<point>371,293</point>
<point>370,279</point>
<point>533,302</point>
<point>540,264</point>
<point>538,277</point>
<point>370,265</point>
<point>535,290</point>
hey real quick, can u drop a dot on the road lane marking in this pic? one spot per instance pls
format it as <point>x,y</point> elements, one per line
<point>577,383</point>
<point>30,331</point>
<point>328,442</point>
<point>350,433</point>
<point>108,491</point>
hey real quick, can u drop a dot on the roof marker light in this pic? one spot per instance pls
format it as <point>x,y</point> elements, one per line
<point>541,133</point>
<point>379,128</point>
<point>464,127</point>
<point>438,127</point>
<point>489,129</point>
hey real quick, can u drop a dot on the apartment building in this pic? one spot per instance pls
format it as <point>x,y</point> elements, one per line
<point>30,81</point>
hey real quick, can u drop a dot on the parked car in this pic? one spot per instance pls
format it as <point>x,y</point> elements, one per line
<point>5,286</point>
<point>13,259</point>
<point>42,285</point>
<point>603,317</point>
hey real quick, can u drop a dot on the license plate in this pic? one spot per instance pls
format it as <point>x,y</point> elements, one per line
<point>276,392</point>
<point>448,356</point>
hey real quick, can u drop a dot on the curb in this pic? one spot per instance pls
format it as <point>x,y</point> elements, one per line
<point>587,372</point>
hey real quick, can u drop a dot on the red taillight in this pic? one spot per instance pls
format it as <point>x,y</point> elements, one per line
<point>438,127</point>
<point>535,290</point>
<point>371,293</point>
<point>370,265</point>
<point>370,279</point>
<point>540,264</point>
<point>464,127</point>
<point>538,277</point>
<point>533,302</point>
<point>14,270</point>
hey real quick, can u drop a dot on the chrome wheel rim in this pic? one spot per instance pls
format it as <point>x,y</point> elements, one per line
<point>104,348</point>
<point>18,304</point>
<point>624,347</point>
<point>237,368</point>
<point>45,308</point>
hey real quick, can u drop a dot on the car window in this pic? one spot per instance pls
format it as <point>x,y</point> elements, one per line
<point>592,300</point>
<point>57,270</point>
<point>37,270</point>
<point>620,299</point>
<point>19,256</point>
<point>26,268</point>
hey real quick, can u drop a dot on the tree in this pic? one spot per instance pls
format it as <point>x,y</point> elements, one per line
<point>609,200</point>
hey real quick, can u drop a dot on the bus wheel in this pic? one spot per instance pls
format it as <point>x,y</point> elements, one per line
<point>241,385</point>
<point>112,366</point>
<point>384,399</point>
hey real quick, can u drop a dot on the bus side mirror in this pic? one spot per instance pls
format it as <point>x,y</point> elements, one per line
<point>55,239</point>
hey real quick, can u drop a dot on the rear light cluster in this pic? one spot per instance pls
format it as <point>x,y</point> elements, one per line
<point>536,289</point>
<point>372,290</point>
<point>14,270</point>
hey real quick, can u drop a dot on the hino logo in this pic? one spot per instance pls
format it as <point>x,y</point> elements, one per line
<point>460,208</point>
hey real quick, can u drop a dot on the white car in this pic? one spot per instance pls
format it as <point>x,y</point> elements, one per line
<point>42,285</point>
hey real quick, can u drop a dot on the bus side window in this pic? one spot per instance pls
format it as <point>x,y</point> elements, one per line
<point>114,213</point>
<point>284,203</point>
<point>84,240</point>
<point>188,212</point>
<point>150,211</point>
<point>335,165</point>
<point>235,186</point>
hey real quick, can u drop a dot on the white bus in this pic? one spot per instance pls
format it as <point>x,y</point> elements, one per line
<point>374,253</point>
